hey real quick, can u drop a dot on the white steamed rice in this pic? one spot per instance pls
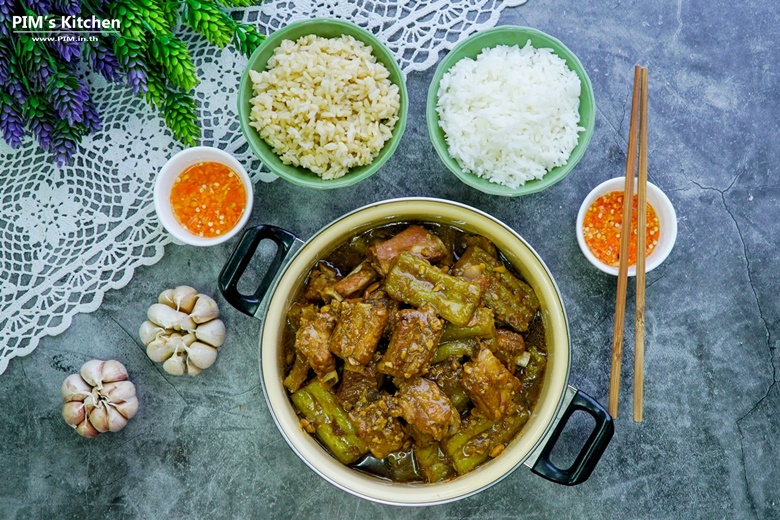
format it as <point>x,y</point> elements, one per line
<point>511,115</point>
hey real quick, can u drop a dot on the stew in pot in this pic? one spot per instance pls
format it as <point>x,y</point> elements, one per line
<point>414,352</point>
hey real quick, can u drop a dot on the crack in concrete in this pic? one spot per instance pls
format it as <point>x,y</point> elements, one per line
<point>660,277</point>
<point>679,20</point>
<point>767,333</point>
<point>722,193</point>
<point>613,127</point>
<point>162,374</point>
<point>124,443</point>
<point>244,392</point>
<point>131,336</point>
<point>629,93</point>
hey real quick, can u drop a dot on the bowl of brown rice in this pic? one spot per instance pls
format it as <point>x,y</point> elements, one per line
<point>322,103</point>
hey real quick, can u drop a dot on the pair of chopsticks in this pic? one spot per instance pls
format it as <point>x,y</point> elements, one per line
<point>638,119</point>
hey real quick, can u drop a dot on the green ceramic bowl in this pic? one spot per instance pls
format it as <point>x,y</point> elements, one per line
<point>511,35</point>
<point>329,29</point>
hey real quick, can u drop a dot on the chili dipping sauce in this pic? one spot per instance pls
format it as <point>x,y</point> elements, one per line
<point>603,224</point>
<point>208,199</point>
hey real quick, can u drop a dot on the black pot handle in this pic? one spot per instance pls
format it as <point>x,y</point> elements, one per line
<point>239,260</point>
<point>590,453</point>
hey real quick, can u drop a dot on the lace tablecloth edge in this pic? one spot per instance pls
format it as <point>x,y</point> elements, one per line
<point>92,306</point>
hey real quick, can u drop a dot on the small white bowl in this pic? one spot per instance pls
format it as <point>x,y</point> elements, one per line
<point>177,164</point>
<point>667,219</point>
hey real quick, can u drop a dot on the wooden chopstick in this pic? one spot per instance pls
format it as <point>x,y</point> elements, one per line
<point>641,228</point>
<point>625,240</point>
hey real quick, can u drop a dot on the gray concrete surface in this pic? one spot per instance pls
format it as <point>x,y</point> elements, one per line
<point>207,447</point>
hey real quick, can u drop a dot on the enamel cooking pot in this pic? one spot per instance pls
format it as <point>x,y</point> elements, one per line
<point>533,444</point>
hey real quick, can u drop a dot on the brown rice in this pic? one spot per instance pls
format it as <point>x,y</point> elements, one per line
<point>325,104</point>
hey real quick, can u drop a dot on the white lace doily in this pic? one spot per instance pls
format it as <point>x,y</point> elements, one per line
<point>67,235</point>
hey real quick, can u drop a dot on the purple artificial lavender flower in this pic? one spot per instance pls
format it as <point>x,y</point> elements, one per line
<point>5,62</point>
<point>64,144</point>
<point>91,118</point>
<point>18,91</point>
<point>6,8</point>
<point>36,60</point>
<point>11,122</point>
<point>104,60</point>
<point>43,75</point>
<point>136,78</point>
<point>71,7</point>
<point>42,121</point>
<point>68,95</point>
<point>43,128</point>
<point>6,11</point>
<point>65,46</point>
<point>40,6</point>
<point>67,50</point>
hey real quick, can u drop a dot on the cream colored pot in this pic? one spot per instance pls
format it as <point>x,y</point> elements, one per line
<point>532,446</point>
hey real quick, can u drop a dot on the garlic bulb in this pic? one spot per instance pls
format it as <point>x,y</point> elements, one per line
<point>99,398</point>
<point>182,331</point>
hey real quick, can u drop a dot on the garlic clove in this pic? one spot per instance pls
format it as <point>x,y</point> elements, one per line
<point>129,408</point>
<point>119,391</point>
<point>189,339</point>
<point>184,297</point>
<point>73,412</point>
<point>150,332</point>
<point>186,324</point>
<point>99,418</point>
<point>91,400</point>
<point>165,316</point>
<point>212,332</point>
<point>166,298</point>
<point>178,342</point>
<point>85,429</point>
<point>116,421</point>
<point>201,355</point>
<point>113,370</point>
<point>205,309</point>
<point>192,369</point>
<point>92,372</point>
<point>74,388</point>
<point>175,365</point>
<point>160,349</point>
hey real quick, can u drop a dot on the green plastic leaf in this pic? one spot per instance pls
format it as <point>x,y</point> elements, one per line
<point>174,59</point>
<point>151,12</point>
<point>171,10</point>
<point>130,24</point>
<point>181,116</point>
<point>247,39</point>
<point>155,88</point>
<point>210,21</point>
<point>126,49</point>
<point>237,3</point>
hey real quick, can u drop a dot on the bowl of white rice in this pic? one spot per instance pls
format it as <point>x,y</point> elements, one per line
<point>322,103</point>
<point>510,111</point>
